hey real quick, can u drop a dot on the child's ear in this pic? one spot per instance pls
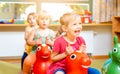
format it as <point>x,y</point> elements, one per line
<point>64,28</point>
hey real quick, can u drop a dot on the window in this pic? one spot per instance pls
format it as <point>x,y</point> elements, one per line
<point>16,10</point>
<point>56,9</point>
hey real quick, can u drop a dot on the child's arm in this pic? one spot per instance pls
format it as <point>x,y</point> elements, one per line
<point>82,48</point>
<point>51,40</point>
<point>57,57</point>
<point>30,40</point>
<point>26,33</point>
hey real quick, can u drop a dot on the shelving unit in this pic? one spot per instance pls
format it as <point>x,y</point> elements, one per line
<point>116,27</point>
<point>21,27</point>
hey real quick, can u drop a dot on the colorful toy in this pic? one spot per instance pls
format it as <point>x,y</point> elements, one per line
<point>39,62</point>
<point>43,61</point>
<point>106,64</point>
<point>77,63</point>
<point>112,65</point>
<point>11,21</point>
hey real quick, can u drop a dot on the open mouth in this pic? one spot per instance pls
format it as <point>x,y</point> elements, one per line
<point>77,31</point>
<point>45,56</point>
<point>85,66</point>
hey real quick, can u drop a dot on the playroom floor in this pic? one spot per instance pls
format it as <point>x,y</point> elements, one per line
<point>14,67</point>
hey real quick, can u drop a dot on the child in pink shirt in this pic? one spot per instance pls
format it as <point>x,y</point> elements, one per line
<point>67,43</point>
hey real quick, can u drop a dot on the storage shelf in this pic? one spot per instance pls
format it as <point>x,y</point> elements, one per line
<point>90,24</point>
<point>21,27</point>
<point>5,25</point>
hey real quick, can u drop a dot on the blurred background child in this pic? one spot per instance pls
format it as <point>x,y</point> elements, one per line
<point>32,24</point>
<point>40,35</point>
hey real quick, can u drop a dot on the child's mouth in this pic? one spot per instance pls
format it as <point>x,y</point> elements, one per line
<point>77,31</point>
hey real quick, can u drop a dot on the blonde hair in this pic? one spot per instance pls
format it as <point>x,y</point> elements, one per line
<point>31,14</point>
<point>65,20</point>
<point>43,14</point>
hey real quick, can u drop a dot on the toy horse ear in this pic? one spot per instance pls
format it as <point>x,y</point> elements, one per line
<point>115,39</point>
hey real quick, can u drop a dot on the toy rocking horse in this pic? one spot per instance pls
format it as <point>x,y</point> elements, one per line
<point>112,65</point>
<point>38,63</point>
<point>77,63</point>
<point>43,61</point>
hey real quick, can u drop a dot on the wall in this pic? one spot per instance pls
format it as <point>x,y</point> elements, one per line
<point>102,39</point>
<point>12,40</point>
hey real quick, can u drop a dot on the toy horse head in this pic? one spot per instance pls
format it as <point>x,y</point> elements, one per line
<point>43,52</point>
<point>43,61</point>
<point>115,53</point>
<point>77,63</point>
<point>114,66</point>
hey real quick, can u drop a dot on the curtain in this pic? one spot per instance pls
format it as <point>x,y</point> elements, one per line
<point>104,10</point>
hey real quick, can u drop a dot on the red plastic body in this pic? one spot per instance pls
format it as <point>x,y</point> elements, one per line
<point>42,59</point>
<point>77,63</point>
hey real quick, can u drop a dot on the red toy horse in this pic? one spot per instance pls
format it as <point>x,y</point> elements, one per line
<point>43,61</point>
<point>77,63</point>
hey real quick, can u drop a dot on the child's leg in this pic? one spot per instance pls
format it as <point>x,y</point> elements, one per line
<point>28,63</point>
<point>93,71</point>
<point>59,71</point>
<point>23,58</point>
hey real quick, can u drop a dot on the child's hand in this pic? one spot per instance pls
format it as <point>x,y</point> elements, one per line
<point>38,41</point>
<point>48,41</point>
<point>69,49</point>
<point>82,48</point>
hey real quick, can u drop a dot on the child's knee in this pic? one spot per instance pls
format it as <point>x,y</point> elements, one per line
<point>59,71</point>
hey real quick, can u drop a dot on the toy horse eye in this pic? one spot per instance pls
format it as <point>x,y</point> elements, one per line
<point>73,56</point>
<point>115,50</point>
<point>50,48</point>
<point>38,48</point>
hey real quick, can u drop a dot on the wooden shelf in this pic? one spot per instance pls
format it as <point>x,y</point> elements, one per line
<point>21,27</point>
<point>116,27</point>
<point>90,24</point>
<point>13,25</point>
<point>98,24</point>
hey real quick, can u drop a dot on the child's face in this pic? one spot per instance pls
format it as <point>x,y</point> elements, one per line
<point>32,20</point>
<point>44,22</point>
<point>74,27</point>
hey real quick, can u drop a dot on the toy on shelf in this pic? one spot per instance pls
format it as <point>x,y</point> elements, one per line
<point>43,61</point>
<point>77,63</point>
<point>11,21</point>
<point>86,16</point>
<point>113,64</point>
<point>38,63</point>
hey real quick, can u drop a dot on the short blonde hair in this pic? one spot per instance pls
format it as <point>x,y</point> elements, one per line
<point>68,17</point>
<point>43,14</point>
<point>31,14</point>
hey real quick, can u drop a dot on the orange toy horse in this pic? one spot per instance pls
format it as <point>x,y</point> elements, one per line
<point>43,61</point>
<point>39,62</point>
<point>77,63</point>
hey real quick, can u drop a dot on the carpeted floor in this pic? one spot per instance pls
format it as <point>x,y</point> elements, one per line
<point>9,68</point>
<point>14,68</point>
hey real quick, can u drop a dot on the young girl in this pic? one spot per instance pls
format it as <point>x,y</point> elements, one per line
<point>32,24</point>
<point>67,43</point>
<point>40,35</point>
